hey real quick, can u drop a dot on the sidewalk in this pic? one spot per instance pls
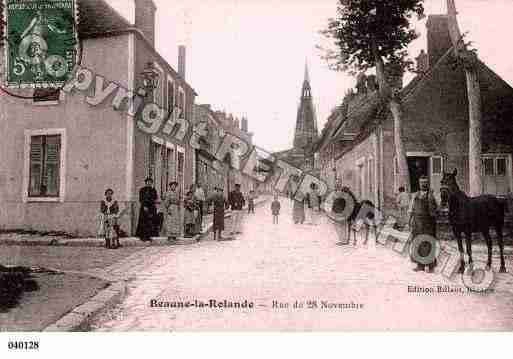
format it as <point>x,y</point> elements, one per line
<point>34,240</point>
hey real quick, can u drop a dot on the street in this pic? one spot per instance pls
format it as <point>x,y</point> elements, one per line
<point>298,279</point>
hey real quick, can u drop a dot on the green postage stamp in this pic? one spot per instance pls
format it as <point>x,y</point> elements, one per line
<point>41,42</point>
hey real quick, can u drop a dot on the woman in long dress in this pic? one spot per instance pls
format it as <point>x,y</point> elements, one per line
<point>298,211</point>
<point>172,219</point>
<point>148,213</point>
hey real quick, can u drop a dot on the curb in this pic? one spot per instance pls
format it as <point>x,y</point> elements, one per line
<point>100,242</point>
<point>80,318</point>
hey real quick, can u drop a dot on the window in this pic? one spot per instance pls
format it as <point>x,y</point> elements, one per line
<point>495,165</point>
<point>437,166</point>
<point>170,96</point>
<point>181,103</point>
<point>151,160</point>
<point>501,166</point>
<point>180,175</point>
<point>488,167</point>
<point>371,178</point>
<point>159,92</point>
<point>43,175</point>
<point>46,96</point>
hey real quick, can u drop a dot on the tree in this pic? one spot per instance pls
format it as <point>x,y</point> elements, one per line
<point>468,60</point>
<point>375,34</point>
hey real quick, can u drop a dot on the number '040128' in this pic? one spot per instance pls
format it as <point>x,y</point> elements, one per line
<point>21,345</point>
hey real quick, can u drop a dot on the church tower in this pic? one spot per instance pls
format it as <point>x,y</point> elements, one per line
<point>306,133</point>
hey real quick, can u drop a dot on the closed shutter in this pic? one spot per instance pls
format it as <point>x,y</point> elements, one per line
<point>36,166</point>
<point>51,173</point>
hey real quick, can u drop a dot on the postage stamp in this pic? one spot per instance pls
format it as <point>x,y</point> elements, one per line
<point>41,42</point>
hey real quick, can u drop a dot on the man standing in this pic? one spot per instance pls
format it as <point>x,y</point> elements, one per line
<point>251,202</point>
<point>314,200</point>
<point>422,219</point>
<point>219,204</point>
<point>236,200</point>
<point>200,197</point>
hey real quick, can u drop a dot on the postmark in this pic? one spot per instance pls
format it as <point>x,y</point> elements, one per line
<point>41,43</point>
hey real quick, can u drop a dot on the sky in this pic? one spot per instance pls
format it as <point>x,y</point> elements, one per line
<point>247,57</point>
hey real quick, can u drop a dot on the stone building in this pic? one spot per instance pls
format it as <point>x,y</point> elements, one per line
<point>357,144</point>
<point>59,154</point>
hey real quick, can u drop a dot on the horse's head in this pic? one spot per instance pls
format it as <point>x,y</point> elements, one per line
<point>448,186</point>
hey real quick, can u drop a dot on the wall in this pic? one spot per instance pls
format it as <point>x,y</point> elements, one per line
<point>95,156</point>
<point>349,173</point>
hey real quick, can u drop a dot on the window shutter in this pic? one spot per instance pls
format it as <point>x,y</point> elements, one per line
<point>52,161</point>
<point>36,166</point>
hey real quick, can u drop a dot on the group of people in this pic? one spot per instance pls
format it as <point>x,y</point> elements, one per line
<point>308,209</point>
<point>236,203</point>
<point>170,219</point>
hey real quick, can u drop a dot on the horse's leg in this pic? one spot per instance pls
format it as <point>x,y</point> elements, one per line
<point>468,242</point>
<point>500,238</point>
<point>457,234</point>
<point>486,235</point>
<point>348,231</point>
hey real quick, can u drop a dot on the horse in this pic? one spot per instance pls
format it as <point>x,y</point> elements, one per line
<point>367,217</point>
<point>471,215</point>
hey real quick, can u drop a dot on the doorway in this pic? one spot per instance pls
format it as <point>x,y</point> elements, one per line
<point>417,166</point>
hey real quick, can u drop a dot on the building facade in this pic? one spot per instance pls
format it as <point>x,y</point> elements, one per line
<point>59,156</point>
<point>358,143</point>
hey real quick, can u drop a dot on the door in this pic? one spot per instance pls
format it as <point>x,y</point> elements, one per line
<point>417,167</point>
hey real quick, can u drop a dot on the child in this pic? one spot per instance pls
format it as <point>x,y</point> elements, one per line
<point>251,202</point>
<point>110,209</point>
<point>275,209</point>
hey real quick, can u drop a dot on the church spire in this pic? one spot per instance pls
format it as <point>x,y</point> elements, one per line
<point>307,74</point>
<point>307,90</point>
<point>306,123</point>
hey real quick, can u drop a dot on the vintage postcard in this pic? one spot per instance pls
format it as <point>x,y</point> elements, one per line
<point>244,165</point>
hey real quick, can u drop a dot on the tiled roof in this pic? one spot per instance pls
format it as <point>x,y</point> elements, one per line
<point>96,16</point>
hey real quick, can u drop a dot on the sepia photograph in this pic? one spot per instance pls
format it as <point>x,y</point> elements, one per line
<point>237,166</point>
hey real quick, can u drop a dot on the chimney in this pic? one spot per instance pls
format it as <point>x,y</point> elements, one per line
<point>181,61</point>
<point>422,62</point>
<point>145,19</point>
<point>361,83</point>
<point>395,75</point>
<point>439,40</point>
<point>244,125</point>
